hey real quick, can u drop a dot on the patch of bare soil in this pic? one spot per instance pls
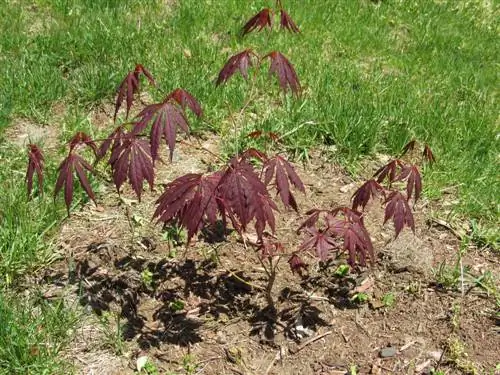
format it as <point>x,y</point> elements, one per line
<point>202,310</point>
<point>23,132</point>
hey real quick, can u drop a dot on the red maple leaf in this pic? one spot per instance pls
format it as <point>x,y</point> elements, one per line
<point>411,175</point>
<point>35,164</point>
<point>428,155</point>
<point>165,118</point>
<point>297,264</point>
<point>244,198</point>
<point>410,146</point>
<point>189,201</point>
<point>260,20</point>
<point>132,159</point>
<point>113,141</point>
<point>235,192</point>
<point>390,170</point>
<point>368,190</point>
<point>319,240</point>
<point>339,223</point>
<point>357,241</point>
<point>130,86</point>
<point>185,99</point>
<point>241,61</point>
<point>73,163</point>
<point>80,138</point>
<point>284,71</point>
<point>398,209</point>
<point>286,22</point>
<point>285,175</point>
<point>262,134</point>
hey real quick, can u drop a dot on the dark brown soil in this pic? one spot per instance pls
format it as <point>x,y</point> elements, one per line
<point>202,310</point>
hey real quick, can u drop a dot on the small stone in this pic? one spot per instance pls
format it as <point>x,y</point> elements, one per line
<point>221,338</point>
<point>388,352</point>
<point>435,355</point>
<point>346,188</point>
<point>409,253</point>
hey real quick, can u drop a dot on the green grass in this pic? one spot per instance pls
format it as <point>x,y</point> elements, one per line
<point>32,334</point>
<point>374,76</point>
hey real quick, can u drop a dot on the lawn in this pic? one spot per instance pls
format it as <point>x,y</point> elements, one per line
<point>374,74</point>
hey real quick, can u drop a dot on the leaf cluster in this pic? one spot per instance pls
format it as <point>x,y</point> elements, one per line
<point>237,193</point>
<point>264,19</point>
<point>132,151</point>
<point>342,229</point>
<point>280,66</point>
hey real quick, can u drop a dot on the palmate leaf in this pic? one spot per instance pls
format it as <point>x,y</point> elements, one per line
<point>390,170</point>
<point>244,198</point>
<point>80,138</point>
<point>399,210</point>
<point>165,118</point>
<point>189,201</point>
<point>285,175</point>
<point>35,164</point>
<point>114,140</point>
<point>235,192</point>
<point>367,191</point>
<point>411,175</point>
<point>259,21</point>
<point>319,240</point>
<point>132,160</point>
<point>287,23</point>
<point>339,224</point>
<point>130,86</point>
<point>185,99</point>
<point>357,241</point>
<point>410,146</point>
<point>287,77</point>
<point>428,155</point>
<point>73,164</point>
<point>241,61</point>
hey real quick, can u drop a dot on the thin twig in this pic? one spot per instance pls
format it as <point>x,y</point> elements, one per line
<point>271,365</point>
<point>310,341</point>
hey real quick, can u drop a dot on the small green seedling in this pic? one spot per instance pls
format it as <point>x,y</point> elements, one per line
<point>342,270</point>
<point>360,298</point>
<point>176,305</point>
<point>389,299</point>
<point>147,278</point>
